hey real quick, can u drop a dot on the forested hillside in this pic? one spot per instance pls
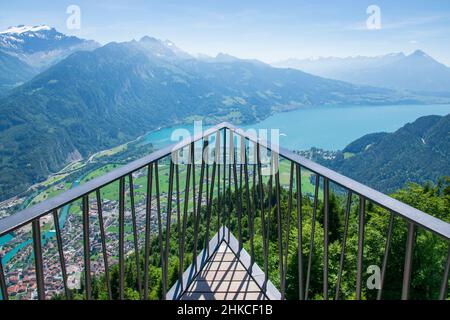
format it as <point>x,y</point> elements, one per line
<point>13,72</point>
<point>417,152</point>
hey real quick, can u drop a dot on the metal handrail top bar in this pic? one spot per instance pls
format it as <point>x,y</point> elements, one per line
<point>418,217</point>
<point>414,215</point>
<point>27,215</point>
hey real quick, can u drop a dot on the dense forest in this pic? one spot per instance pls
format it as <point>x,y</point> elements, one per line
<point>430,252</point>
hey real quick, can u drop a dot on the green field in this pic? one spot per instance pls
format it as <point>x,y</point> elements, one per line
<point>54,179</point>
<point>112,151</point>
<point>99,172</point>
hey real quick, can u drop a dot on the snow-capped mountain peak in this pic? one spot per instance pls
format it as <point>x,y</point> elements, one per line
<point>41,45</point>
<point>23,29</point>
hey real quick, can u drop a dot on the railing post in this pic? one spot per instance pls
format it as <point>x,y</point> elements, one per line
<point>87,248</point>
<point>408,261</point>
<point>206,157</point>
<point>185,210</point>
<point>135,235</point>
<point>252,208</point>
<point>249,208</point>
<point>344,243</point>
<point>444,286</point>
<point>121,238</point>
<point>194,188</point>
<point>362,210</point>
<point>269,213</point>
<point>288,229</point>
<point>279,233</point>
<point>325,236</point>
<point>103,240</point>
<point>237,192</point>
<point>298,172</point>
<point>177,186</point>
<point>37,246</point>
<point>148,218</point>
<point>261,200</point>
<point>199,209</point>
<point>168,221</point>
<point>224,196</point>
<point>61,253</point>
<point>217,153</point>
<point>160,232</point>
<point>386,255</point>
<point>313,231</point>
<point>230,193</point>
<point>210,201</point>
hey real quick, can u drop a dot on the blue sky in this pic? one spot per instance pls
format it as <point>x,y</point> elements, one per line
<point>266,30</point>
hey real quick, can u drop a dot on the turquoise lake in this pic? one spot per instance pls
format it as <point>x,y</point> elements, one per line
<point>330,128</point>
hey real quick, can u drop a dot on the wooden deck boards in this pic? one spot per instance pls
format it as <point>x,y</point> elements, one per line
<point>224,278</point>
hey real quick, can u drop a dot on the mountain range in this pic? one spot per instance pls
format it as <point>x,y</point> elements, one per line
<point>416,72</point>
<point>96,99</point>
<point>417,152</point>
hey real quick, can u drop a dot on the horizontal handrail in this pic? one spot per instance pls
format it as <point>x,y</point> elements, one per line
<point>409,213</point>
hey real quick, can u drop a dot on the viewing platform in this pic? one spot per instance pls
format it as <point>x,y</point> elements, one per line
<point>208,219</point>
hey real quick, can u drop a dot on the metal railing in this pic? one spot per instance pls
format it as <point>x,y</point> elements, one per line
<point>247,191</point>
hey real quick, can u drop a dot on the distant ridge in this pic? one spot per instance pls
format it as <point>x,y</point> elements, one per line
<point>417,72</point>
